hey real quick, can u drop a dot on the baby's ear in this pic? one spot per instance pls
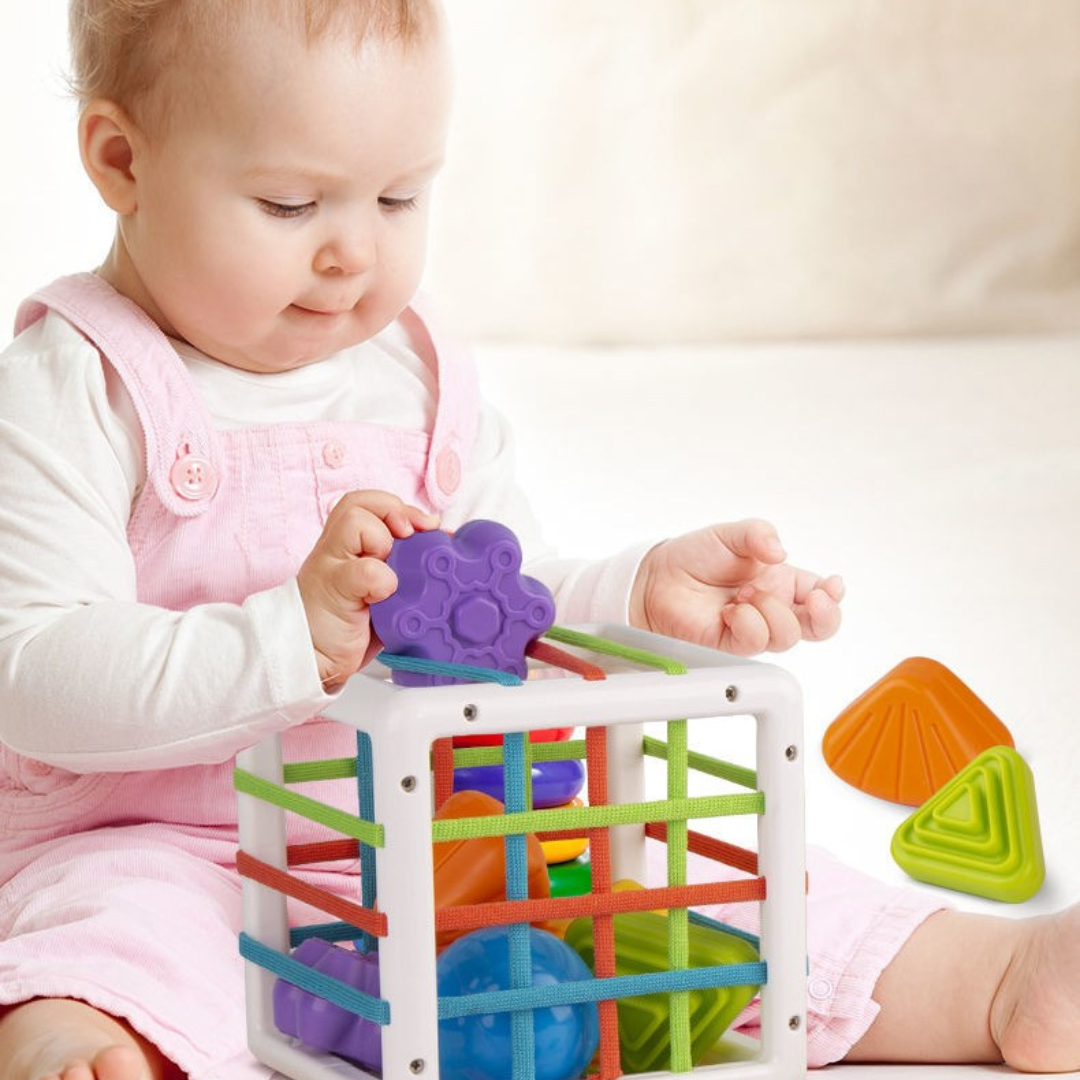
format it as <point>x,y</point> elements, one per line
<point>107,141</point>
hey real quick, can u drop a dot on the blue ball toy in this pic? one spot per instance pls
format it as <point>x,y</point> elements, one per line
<point>479,1047</point>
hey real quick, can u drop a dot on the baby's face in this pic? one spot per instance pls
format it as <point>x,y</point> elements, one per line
<point>282,215</point>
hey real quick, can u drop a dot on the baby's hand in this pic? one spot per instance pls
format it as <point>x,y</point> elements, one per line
<point>728,587</point>
<point>346,572</point>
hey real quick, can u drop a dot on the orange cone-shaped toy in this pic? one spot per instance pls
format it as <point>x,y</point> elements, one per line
<point>910,733</point>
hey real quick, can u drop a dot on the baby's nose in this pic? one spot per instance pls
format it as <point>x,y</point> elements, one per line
<point>350,252</point>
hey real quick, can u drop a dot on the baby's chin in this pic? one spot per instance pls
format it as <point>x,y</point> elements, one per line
<point>295,338</point>
<point>271,357</point>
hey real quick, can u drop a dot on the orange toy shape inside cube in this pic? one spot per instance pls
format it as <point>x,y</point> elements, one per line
<point>910,733</point>
<point>474,871</point>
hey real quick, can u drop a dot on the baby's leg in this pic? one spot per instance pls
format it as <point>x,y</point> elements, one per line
<point>968,988</point>
<point>62,1039</point>
<point>144,931</point>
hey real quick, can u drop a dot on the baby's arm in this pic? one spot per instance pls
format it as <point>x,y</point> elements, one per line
<point>90,678</point>
<point>730,587</point>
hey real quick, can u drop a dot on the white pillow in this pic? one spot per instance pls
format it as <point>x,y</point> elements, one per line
<point>658,170</point>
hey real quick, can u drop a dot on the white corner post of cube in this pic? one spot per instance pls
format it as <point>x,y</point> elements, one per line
<point>402,723</point>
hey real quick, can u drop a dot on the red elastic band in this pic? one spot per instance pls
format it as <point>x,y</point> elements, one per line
<point>372,922</point>
<point>547,653</point>
<point>739,858</point>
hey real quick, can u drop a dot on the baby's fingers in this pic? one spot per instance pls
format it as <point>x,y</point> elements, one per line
<point>819,616</point>
<point>752,538</point>
<point>366,522</point>
<point>404,519</point>
<point>743,630</point>
<point>834,587</point>
<point>366,581</point>
<point>353,530</point>
<point>757,621</point>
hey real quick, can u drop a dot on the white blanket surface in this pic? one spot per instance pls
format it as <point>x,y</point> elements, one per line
<point>940,478</point>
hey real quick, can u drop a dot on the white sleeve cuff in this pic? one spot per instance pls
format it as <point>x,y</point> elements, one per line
<point>592,592</point>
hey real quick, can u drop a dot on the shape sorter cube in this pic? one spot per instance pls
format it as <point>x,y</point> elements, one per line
<point>623,687</point>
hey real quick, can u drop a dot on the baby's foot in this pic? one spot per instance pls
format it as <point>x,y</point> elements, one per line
<point>1035,1015</point>
<point>112,1063</point>
<point>60,1039</point>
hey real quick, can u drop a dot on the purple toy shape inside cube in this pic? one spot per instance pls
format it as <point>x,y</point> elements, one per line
<point>322,1025</point>
<point>462,599</point>
<point>554,783</point>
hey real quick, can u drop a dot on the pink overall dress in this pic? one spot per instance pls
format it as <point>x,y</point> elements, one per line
<point>119,888</point>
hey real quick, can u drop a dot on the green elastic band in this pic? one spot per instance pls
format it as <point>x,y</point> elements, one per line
<point>613,648</point>
<point>723,770</point>
<point>299,772</point>
<point>365,831</point>
<point>595,817</point>
<point>677,926</point>
<point>556,750</point>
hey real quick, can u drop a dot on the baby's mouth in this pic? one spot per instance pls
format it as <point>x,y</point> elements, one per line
<point>320,312</point>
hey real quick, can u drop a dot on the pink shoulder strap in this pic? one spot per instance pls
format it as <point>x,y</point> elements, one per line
<point>458,409</point>
<point>182,455</point>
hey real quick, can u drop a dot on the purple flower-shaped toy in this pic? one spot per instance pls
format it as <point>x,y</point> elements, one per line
<point>462,599</point>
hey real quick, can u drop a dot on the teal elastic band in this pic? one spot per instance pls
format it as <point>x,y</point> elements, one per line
<point>519,944</point>
<point>620,986</point>
<point>330,931</point>
<point>419,666</point>
<point>315,982</point>
<point>365,794</point>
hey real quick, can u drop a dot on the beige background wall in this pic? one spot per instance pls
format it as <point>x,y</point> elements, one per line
<point>657,170</point>
<point>650,170</point>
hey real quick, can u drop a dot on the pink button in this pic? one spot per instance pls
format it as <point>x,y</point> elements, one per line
<point>193,477</point>
<point>448,471</point>
<point>334,453</point>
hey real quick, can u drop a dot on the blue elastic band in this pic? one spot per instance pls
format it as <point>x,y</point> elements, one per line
<point>620,986</point>
<point>365,784</point>
<point>419,666</point>
<point>515,767</point>
<point>315,982</point>
<point>330,931</point>
<point>724,928</point>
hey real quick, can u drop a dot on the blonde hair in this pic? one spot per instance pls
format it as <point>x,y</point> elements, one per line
<point>119,48</point>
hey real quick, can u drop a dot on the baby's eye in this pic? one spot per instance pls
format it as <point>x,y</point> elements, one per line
<point>393,206</point>
<point>285,210</point>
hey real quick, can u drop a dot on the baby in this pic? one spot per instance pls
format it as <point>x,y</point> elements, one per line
<point>207,450</point>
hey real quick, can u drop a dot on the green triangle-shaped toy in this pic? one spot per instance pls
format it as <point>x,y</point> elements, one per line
<point>979,833</point>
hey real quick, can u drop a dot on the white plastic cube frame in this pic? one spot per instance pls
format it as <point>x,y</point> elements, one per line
<point>402,724</point>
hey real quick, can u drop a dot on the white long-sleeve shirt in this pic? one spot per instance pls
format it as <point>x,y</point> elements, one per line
<point>90,679</point>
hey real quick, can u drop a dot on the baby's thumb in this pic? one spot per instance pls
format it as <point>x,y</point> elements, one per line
<point>754,539</point>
